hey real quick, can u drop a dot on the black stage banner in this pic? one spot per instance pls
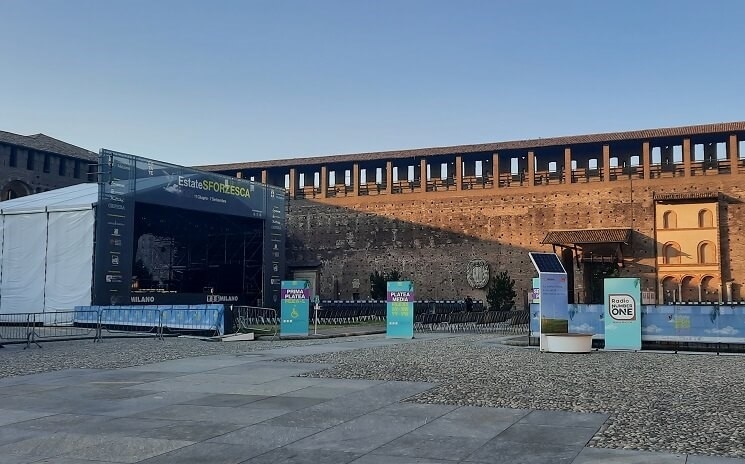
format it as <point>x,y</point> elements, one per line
<point>127,179</point>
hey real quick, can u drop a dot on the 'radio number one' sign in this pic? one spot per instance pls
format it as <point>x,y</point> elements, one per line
<point>623,324</point>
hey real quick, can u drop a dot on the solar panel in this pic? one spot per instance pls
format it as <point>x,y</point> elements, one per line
<point>547,262</point>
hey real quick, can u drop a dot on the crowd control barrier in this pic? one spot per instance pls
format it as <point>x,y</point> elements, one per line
<point>676,323</point>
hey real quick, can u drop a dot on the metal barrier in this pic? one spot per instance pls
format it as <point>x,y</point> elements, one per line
<point>504,322</point>
<point>31,328</point>
<point>352,311</point>
<point>59,325</point>
<point>255,319</point>
<point>99,322</point>
<point>15,328</point>
<point>121,321</point>
<point>191,320</point>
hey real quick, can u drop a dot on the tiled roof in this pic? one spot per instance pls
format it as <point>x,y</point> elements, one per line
<point>646,134</point>
<point>45,143</point>
<point>584,236</point>
<point>687,196</point>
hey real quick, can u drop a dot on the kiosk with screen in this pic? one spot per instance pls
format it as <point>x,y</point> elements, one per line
<point>553,306</point>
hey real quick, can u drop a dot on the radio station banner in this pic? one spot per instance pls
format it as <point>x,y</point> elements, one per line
<point>400,310</point>
<point>623,322</point>
<point>295,308</point>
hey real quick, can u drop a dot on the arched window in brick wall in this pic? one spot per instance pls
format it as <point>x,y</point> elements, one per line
<point>669,220</point>
<point>671,253</point>
<point>705,218</point>
<point>707,253</point>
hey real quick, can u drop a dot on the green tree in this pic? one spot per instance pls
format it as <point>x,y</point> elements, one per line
<point>378,283</point>
<point>501,293</point>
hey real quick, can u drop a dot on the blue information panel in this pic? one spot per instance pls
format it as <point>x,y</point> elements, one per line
<point>295,299</point>
<point>400,315</point>
<point>623,322</point>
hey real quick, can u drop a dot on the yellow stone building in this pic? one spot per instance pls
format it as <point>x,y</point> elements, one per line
<point>688,257</point>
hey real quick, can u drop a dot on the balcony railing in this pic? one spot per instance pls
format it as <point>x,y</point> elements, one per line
<point>541,177</point>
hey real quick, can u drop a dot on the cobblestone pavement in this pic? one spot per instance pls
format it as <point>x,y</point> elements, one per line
<point>248,408</point>
<point>678,403</point>
<point>124,352</point>
<point>684,403</point>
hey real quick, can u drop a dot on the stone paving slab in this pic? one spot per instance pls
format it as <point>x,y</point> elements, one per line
<point>267,436</point>
<point>614,456</point>
<point>10,416</point>
<point>417,444</point>
<point>385,459</point>
<point>127,449</point>
<point>225,400</point>
<point>253,409</point>
<point>322,392</point>
<point>712,460</point>
<point>212,453</point>
<point>501,451</point>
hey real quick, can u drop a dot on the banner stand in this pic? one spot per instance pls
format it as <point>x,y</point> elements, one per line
<point>400,310</point>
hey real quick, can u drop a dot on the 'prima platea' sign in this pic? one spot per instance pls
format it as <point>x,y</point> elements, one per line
<point>477,273</point>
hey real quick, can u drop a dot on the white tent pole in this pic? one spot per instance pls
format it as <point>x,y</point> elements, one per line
<point>46,260</point>
<point>2,254</point>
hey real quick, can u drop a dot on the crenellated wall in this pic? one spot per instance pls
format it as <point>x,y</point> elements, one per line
<point>431,238</point>
<point>428,212</point>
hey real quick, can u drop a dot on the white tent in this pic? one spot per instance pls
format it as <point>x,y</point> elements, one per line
<point>46,250</point>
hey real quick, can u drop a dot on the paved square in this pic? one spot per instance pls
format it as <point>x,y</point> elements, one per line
<point>255,409</point>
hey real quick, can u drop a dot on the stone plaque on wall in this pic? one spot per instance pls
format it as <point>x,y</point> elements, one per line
<point>477,273</point>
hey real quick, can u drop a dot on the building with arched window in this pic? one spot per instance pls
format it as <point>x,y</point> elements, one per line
<point>38,163</point>
<point>688,265</point>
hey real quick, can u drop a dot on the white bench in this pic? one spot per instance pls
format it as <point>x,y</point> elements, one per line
<point>567,343</point>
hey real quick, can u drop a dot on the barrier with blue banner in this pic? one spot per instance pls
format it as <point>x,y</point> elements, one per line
<point>663,323</point>
<point>180,317</point>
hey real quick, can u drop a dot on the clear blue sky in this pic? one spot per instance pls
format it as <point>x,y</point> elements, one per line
<point>223,81</point>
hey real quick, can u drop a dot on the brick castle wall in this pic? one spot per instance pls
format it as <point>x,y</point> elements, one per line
<point>431,237</point>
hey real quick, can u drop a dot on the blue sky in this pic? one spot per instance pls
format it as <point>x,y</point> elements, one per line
<point>224,81</point>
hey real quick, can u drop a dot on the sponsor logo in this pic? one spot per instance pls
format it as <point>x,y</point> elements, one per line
<point>222,298</point>
<point>621,307</point>
<point>142,299</point>
<point>113,279</point>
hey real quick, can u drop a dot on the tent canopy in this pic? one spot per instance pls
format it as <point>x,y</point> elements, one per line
<point>72,198</point>
<point>46,250</point>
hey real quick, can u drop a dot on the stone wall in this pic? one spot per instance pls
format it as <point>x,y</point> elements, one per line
<point>37,180</point>
<point>431,237</point>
